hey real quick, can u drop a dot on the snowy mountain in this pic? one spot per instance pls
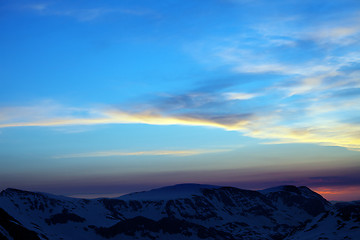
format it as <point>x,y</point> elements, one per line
<point>185,211</point>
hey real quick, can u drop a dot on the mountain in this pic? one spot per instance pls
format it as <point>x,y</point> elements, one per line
<point>184,211</point>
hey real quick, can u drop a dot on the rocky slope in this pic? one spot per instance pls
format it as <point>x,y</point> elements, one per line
<point>185,211</point>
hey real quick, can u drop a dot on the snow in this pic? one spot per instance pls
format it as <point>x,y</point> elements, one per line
<point>224,209</point>
<point>275,189</point>
<point>170,192</point>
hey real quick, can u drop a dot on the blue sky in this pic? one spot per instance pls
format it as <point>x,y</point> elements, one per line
<point>118,96</point>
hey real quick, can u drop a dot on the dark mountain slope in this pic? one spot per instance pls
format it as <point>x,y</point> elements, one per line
<point>185,211</point>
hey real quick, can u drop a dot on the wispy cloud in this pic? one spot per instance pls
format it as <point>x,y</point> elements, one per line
<point>239,95</point>
<point>37,7</point>
<point>303,107</point>
<point>141,153</point>
<point>82,14</point>
<point>317,64</point>
<point>94,13</point>
<point>327,134</point>
<point>316,69</point>
<point>267,127</point>
<point>111,116</point>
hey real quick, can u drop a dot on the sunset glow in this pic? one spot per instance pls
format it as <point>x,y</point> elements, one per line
<point>118,96</point>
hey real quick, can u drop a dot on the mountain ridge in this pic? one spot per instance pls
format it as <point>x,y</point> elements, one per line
<point>183,211</point>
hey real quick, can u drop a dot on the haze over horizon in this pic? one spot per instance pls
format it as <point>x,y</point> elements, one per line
<point>103,98</point>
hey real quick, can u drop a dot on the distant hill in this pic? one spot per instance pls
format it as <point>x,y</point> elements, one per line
<point>185,211</point>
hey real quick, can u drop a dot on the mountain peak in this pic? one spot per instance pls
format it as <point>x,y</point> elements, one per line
<point>302,190</point>
<point>14,191</point>
<point>286,188</point>
<point>170,192</point>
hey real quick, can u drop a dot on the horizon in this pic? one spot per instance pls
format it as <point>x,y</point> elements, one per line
<point>119,96</point>
<point>325,194</point>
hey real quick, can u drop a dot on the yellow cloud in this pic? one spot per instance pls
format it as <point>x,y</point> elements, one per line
<point>342,135</point>
<point>140,153</point>
<point>317,131</point>
<point>115,116</point>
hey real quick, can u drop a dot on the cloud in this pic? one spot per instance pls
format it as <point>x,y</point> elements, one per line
<point>342,35</point>
<point>207,94</point>
<point>339,193</point>
<point>309,108</point>
<point>348,180</point>
<point>327,134</point>
<point>245,60</point>
<point>188,100</point>
<point>189,120</point>
<point>38,7</point>
<point>311,83</point>
<point>140,153</point>
<point>94,13</point>
<point>111,116</point>
<point>82,14</point>
<point>239,95</point>
<point>336,29</point>
<point>306,74</point>
<point>347,92</point>
<point>296,47</point>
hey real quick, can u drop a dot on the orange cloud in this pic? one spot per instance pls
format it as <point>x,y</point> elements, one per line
<point>339,193</point>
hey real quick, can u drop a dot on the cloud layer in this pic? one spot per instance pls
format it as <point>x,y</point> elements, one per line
<point>139,153</point>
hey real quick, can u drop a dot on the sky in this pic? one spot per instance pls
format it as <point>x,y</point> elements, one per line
<point>103,98</point>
